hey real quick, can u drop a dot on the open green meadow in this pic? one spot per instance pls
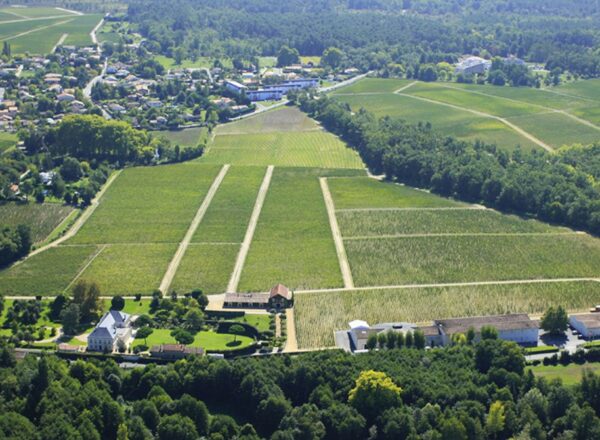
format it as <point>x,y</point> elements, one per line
<point>189,137</point>
<point>569,374</point>
<point>538,112</point>
<point>445,259</point>
<point>318,315</point>
<point>47,273</point>
<point>364,192</point>
<point>468,221</point>
<point>208,340</point>
<point>149,205</point>
<point>39,35</point>
<point>42,219</point>
<point>292,244</point>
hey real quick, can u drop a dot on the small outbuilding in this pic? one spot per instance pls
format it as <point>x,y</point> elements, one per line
<point>588,324</point>
<point>174,351</point>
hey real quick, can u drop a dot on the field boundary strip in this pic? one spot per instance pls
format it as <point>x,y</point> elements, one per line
<point>506,122</point>
<point>48,17</point>
<point>403,88</point>
<point>60,41</point>
<point>85,215</point>
<point>337,235</point>
<point>439,208</point>
<point>41,28</point>
<point>461,284</point>
<point>549,110</point>
<point>183,245</point>
<point>236,274</point>
<point>460,234</point>
<point>88,264</point>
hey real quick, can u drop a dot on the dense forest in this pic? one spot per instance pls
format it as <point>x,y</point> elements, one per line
<point>468,392</point>
<point>561,34</point>
<point>559,187</point>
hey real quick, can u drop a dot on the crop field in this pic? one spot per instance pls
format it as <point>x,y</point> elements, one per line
<point>149,205</point>
<point>47,273</point>
<point>452,122</point>
<point>206,266</point>
<point>569,374</point>
<point>39,30</point>
<point>125,269</point>
<point>318,315</point>
<point>538,112</point>
<point>284,149</point>
<point>467,221</point>
<point>442,259</point>
<point>367,193</point>
<point>189,137</point>
<point>227,217</point>
<point>279,120</point>
<point>41,218</point>
<point>293,242</point>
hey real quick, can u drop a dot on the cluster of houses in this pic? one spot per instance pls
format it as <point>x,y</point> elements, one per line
<point>516,327</point>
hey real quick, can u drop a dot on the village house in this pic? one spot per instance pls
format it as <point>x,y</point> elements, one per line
<point>279,297</point>
<point>174,351</point>
<point>588,324</point>
<point>114,326</point>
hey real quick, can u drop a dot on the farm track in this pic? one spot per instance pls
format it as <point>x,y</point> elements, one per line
<point>174,264</point>
<point>236,274</point>
<point>440,208</point>
<point>84,268</point>
<point>80,221</point>
<point>337,235</point>
<point>60,41</point>
<point>49,17</point>
<point>460,234</point>
<point>462,284</point>
<point>291,342</point>
<point>484,115</point>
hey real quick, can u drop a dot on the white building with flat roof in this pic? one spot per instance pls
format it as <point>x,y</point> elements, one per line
<point>588,324</point>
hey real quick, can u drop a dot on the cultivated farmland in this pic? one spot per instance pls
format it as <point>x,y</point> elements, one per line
<point>460,110</point>
<point>293,242</point>
<point>318,315</point>
<point>189,137</point>
<point>280,137</point>
<point>41,218</point>
<point>37,30</point>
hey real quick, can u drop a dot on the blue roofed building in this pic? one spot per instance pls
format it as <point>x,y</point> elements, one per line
<point>114,326</point>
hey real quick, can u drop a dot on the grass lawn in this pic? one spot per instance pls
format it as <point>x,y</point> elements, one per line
<point>41,218</point>
<point>133,307</point>
<point>288,149</point>
<point>127,269</point>
<point>189,137</point>
<point>282,119</point>
<point>48,273</point>
<point>228,215</point>
<point>293,242</point>
<point>7,140</point>
<point>413,260</point>
<point>359,193</point>
<point>317,315</point>
<point>149,205</point>
<point>208,340</point>
<point>207,267</point>
<point>261,322</point>
<point>378,223</point>
<point>570,374</point>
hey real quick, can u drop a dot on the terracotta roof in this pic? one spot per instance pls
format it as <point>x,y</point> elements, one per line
<point>281,290</point>
<point>517,321</point>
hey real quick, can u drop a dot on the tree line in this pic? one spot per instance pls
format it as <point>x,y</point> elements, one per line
<point>558,187</point>
<point>471,391</point>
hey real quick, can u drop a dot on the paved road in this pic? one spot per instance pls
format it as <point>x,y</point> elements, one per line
<point>337,235</point>
<point>174,264</point>
<point>245,247</point>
